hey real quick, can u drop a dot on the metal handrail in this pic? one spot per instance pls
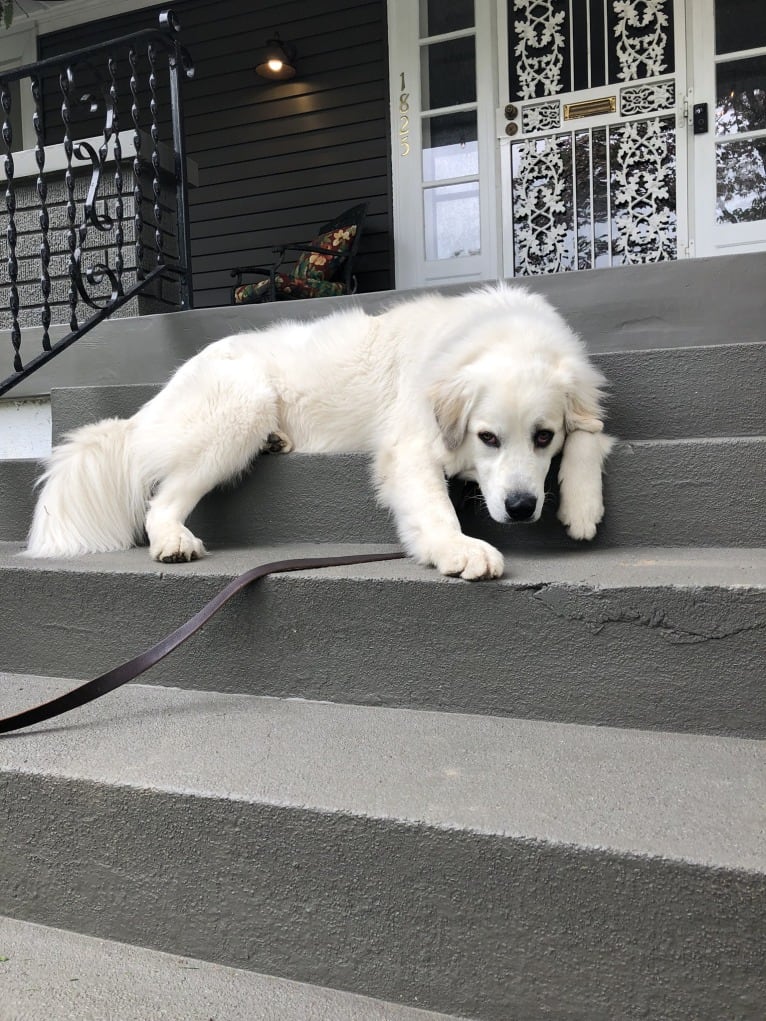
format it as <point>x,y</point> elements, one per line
<point>82,280</point>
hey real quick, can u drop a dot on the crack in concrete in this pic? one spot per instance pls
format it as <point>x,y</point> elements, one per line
<point>598,610</point>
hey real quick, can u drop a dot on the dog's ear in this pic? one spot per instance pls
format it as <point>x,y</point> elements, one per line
<point>578,416</point>
<point>452,401</point>
<point>582,404</point>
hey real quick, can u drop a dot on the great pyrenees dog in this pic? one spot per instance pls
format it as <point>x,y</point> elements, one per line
<point>486,386</point>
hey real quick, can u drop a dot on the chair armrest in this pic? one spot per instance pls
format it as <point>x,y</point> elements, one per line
<point>262,270</point>
<point>300,247</point>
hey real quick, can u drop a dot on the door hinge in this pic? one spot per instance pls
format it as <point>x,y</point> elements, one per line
<point>688,107</point>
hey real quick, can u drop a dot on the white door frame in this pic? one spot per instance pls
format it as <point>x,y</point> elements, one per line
<point>712,238</point>
<point>412,267</point>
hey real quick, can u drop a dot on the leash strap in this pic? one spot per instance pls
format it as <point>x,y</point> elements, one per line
<point>128,671</point>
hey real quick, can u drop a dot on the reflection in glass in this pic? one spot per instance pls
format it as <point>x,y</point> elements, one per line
<point>603,228</point>
<point>452,221</point>
<point>450,147</point>
<point>739,25</point>
<point>438,16</point>
<point>448,75</point>
<point>741,181</point>
<point>740,103</point>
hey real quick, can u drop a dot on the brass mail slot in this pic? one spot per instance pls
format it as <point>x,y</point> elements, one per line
<point>590,108</point>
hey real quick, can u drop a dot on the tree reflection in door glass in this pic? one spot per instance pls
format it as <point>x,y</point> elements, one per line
<point>741,181</point>
<point>740,96</point>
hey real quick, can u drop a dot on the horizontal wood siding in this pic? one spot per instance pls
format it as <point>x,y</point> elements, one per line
<point>276,159</point>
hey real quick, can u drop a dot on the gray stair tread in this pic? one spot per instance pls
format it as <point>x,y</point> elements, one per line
<point>64,976</point>
<point>645,566</point>
<point>668,638</point>
<point>674,796</point>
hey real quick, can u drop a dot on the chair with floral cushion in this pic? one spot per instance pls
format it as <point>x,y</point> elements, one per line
<point>325,266</point>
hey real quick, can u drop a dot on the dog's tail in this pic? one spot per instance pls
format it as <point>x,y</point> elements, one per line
<point>92,499</point>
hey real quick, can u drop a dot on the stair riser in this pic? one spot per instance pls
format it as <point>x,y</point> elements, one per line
<point>684,493</point>
<point>489,926</point>
<point>668,394</point>
<point>654,657</point>
<point>17,498</point>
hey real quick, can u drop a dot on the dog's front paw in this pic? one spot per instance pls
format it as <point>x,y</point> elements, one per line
<point>176,545</point>
<point>581,518</point>
<point>468,558</point>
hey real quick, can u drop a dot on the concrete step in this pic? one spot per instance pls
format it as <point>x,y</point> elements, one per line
<point>659,638</point>
<point>670,304</point>
<point>17,499</point>
<point>697,492</point>
<point>665,394</point>
<point>495,868</point>
<point>64,976</point>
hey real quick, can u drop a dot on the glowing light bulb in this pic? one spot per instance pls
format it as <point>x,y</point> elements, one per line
<point>275,65</point>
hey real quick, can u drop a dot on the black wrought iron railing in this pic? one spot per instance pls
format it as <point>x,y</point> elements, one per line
<point>96,221</point>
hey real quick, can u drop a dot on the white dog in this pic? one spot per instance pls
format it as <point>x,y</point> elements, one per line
<point>485,386</point>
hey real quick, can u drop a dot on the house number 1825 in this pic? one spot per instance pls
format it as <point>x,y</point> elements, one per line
<point>404,120</point>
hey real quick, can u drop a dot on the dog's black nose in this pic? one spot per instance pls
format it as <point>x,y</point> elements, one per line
<point>520,506</point>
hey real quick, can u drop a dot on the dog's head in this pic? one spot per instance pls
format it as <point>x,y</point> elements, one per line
<point>504,414</point>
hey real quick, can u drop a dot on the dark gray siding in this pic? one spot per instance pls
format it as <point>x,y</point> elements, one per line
<point>276,159</point>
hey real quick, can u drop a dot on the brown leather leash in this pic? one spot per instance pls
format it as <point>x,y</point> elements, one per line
<point>128,671</point>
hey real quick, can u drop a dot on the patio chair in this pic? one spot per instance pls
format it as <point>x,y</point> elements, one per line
<point>324,268</point>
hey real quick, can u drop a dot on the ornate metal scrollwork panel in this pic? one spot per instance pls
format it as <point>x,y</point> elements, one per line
<point>640,99</point>
<point>643,190</point>
<point>541,116</point>
<point>539,47</point>
<point>595,197</point>
<point>557,46</point>
<point>641,38</point>
<point>542,205</point>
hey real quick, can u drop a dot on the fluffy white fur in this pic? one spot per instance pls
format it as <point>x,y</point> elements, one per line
<point>421,387</point>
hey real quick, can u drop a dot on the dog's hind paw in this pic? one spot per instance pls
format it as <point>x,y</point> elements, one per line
<point>176,546</point>
<point>277,443</point>
<point>472,559</point>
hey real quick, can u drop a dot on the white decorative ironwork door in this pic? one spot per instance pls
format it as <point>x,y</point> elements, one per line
<point>594,139</point>
<point>729,105</point>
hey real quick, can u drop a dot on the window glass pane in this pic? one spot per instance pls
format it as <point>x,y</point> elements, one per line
<point>438,16</point>
<point>739,25</point>
<point>448,74</point>
<point>741,181</point>
<point>740,103</point>
<point>450,147</point>
<point>452,221</point>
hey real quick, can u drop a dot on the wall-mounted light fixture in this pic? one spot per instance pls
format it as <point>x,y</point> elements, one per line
<point>277,60</point>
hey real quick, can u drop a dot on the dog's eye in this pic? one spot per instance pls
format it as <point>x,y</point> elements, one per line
<point>543,437</point>
<point>489,439</point>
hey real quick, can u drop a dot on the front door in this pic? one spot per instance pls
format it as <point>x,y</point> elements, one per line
<point>593,137</point>
<point>729,148</point>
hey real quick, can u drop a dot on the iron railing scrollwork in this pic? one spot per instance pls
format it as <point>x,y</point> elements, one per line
<point>83,270</point>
